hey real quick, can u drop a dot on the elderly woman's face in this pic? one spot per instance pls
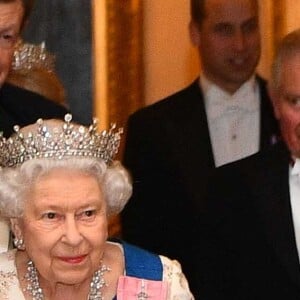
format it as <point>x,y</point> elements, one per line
<point>65,226</point>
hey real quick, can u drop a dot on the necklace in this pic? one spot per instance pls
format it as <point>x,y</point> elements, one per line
<point>33,286</point>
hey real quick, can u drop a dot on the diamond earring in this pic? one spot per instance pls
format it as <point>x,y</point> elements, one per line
<point>19,244</point>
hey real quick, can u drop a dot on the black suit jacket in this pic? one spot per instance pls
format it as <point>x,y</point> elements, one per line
<point>248,247</point>
<point>169,154</point>
<point>22,107</point>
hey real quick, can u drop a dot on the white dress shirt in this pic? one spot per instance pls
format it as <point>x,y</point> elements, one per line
<point>294,182</point>
<point>233,120</point>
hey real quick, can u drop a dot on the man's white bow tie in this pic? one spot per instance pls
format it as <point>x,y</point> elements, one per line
<point>220,106</point>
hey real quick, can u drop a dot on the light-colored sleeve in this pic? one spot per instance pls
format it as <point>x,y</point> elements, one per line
<point>4,236</point>
<point>178,287</point>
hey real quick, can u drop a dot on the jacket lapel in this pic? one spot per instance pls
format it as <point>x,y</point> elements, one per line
<point>193,150</point>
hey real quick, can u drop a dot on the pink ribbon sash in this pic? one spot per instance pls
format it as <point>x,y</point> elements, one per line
<point>132,288</point>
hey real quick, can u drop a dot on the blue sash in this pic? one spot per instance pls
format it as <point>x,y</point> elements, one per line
<point>141,263</point>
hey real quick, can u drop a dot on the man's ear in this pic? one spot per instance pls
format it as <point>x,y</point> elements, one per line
<point>195,34</point>
<point>16,228</point>
<point>274,96</point>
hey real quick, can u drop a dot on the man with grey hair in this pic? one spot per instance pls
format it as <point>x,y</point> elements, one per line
<point>173,145</point>
<point>18,106</point>
<point>253,215</point>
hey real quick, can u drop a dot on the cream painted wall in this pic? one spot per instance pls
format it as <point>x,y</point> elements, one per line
<point>267,42</point>
<point>293,13</point>
<point>291,22</point>
<point>170,61</point>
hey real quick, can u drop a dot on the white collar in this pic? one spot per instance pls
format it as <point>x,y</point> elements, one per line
<point>206,85</point>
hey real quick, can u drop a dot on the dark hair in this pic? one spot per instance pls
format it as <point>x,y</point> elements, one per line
<point>197,10</point>
<point>27,4</point>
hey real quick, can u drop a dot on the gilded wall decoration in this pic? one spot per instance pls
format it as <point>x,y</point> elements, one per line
<point>124,59</point>
<point>124,85</point>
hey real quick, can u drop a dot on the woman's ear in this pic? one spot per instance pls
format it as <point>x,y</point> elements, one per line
<point>16,228</point>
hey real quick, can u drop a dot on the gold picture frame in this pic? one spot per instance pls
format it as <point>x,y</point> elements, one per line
<point>118,67</point>
<point>118,54</point>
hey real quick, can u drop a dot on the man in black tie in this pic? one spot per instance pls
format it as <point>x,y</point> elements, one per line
<point>173,145</point>
<point>18,106</point>
<point>251,235</point>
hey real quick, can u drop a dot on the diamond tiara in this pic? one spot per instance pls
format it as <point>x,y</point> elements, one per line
<point>56,140</point>
<point>29,56</point>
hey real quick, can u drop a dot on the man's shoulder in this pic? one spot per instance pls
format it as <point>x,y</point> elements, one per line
<point>21,101</point>
<point>11,94</point>
<point>180,101</point>
<point>23,107</point>
<point>14,92</point>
